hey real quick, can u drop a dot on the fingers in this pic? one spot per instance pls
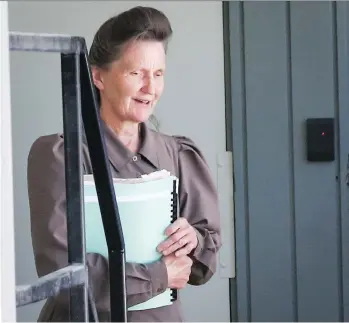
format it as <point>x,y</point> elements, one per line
<point>180,223</point>
<point>187,249</point>
<point>174,242</point>
<point>182,239</point>
<point>189,243</point>
<point>179,283</point>
<point>181,243</point>
<point>182,272</point>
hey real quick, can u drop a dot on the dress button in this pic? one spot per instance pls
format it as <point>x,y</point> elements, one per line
<point>134,158</point>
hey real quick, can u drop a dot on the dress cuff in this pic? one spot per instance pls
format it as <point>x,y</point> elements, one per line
<point>158,277</point>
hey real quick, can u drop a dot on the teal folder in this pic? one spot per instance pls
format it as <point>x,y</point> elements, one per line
<point>147,206</point>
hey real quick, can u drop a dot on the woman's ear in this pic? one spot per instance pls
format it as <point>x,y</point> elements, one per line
<point>97,78</point>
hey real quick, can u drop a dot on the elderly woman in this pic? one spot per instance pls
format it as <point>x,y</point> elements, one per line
<point>128,61</point>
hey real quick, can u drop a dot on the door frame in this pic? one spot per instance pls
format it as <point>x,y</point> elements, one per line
<point>342,144</point>
<point>228,33</point>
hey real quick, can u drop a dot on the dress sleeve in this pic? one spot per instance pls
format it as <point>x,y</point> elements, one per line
<point>47,202</point>
<point>199,205</point>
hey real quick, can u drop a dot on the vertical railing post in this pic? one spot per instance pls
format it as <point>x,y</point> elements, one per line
<point>71,94</point>
<point>106,195</point>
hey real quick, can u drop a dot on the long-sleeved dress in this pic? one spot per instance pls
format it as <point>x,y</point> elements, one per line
<point>198,203</point>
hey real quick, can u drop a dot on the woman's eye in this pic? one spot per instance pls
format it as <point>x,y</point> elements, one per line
<point>135,73</point>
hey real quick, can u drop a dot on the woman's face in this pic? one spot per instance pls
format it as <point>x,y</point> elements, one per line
<point>132,85</point>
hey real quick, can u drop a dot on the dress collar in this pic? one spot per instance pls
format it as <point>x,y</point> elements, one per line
<point>119,155</point>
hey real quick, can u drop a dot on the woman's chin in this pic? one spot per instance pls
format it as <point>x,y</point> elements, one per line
<point>142,117</point>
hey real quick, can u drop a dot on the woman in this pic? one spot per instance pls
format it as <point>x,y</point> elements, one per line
<point>128,60</point>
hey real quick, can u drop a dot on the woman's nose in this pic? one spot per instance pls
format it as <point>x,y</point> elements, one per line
<point>149,86</point>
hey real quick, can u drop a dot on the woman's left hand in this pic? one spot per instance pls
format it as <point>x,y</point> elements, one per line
<point>182,239</point>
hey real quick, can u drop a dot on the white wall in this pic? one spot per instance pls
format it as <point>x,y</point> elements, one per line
<point>7,265</point>
<point>192,104</point>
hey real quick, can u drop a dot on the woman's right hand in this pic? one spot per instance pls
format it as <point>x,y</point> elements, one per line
<point>178,270</point>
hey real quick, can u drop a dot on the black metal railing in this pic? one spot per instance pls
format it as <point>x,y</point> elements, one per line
<point>80,113</point>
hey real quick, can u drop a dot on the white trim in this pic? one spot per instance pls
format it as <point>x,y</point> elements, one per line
<point>7,253</point>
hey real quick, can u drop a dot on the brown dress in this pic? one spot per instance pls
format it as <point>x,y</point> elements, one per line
<point>198,204</point>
